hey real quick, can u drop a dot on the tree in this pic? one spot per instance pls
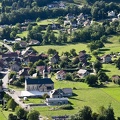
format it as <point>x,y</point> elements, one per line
<point>11,104</point>
<point>84,114</point>
<point>33,115</point>
<point>39,63</point>
<point>51,51</point>
<point>118,63</point>
<point>73,52</point>
<point>11,74</point>
<point>91,80</point>
<point>20,112</point>
<point>12,117</point>
<point>97,65</point>
<point>38,19</point>
<point>102,76</point>
<point>16,46</point>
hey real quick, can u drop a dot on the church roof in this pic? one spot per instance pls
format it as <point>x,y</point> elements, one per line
<point>39,81</point>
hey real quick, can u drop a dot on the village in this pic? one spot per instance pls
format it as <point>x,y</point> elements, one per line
<point>58,65</point>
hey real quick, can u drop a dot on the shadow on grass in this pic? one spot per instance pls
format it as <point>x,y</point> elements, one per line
<point>106,70</point>
<point>76,99</point>
<point>74,94</point>
<point>104,49</point>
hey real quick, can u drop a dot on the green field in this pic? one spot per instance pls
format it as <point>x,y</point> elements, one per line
<point>86,96</point>
<point>62,48</point>
<point>48,21</point>
<point>4,114</point>
<point>23,34</point>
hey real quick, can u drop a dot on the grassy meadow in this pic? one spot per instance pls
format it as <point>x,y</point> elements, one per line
<point>85,96</point>
<point>62,48</point>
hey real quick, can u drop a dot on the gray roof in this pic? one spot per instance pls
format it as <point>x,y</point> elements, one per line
<point>39,81</point>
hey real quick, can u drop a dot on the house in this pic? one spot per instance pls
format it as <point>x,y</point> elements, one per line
<point>41,68</point>
<point>67,22</point>
<point>34,42</point>
<point>62,5</point>
<point>15,67</point>
<point>18,39</point>
<point>67,92</point>
<point>60,75</point>
<point>115,78</point>
<point>74,23</point>
<point>23,44</point>
<point>23,28</point>
<point>69,16</point>
<point>54,26</point>
<point>24,72</point>
<point>55,58</point>
<point>82,73</point>
<point>27,51</point>
<point>111,14</point>
<point>81,17</point>
<point>39,84</point>
<point>44,84</point>
<point>10,55</point>
<point>87,23</point>
<point>60,117</point>
<point>83,56</point>
<point>56,101</point>
<point>60,93</point>
<point>106,59</point>
<point>56,93</point>
<point>31,58</point>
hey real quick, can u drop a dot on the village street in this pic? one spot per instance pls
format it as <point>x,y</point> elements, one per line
<point>7,46</point>
<point>14,94</point>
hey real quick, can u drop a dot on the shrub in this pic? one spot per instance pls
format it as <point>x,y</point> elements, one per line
<point>66,107</point>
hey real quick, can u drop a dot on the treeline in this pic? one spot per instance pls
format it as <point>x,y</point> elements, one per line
<point>27,10</point>
<point>24,3</point>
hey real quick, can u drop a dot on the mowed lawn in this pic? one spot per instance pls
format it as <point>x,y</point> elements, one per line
<point>47,21</point>
<point>62,48</point>
<point>85,96</point>
<point>4,114</point>
<point>23,34</point>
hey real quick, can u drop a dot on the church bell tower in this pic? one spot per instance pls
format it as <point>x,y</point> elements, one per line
<point>45,72</point>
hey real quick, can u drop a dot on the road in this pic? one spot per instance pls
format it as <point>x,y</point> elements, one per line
<point>7,46</point>
<point>5,80</point>
<point>13,93</point>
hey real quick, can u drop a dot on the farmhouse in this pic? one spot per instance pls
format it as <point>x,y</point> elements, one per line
<point>60,93</point>
<point>82,73</point>
<point>106,59</point>
<point>56,101</point>
<point>60,75</point>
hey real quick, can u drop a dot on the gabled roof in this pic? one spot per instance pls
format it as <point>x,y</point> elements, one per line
<point>39,81</point>
<point>10,54</point>
<point>67,90</point>
<point>82,71</point>
<point>57,92</point>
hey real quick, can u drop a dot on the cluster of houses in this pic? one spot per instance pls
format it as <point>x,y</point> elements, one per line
<point>22,44</point>
<point>112,14</point>
<point>35,86</point>
<point>57,4</point>
<point>75,21</point>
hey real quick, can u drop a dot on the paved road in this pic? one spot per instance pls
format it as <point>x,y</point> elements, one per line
<point>7,46</point>
<point>14,94</point>
<point>5,80</point>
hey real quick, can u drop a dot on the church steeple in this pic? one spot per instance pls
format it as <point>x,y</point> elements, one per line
<point>45,72</point>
